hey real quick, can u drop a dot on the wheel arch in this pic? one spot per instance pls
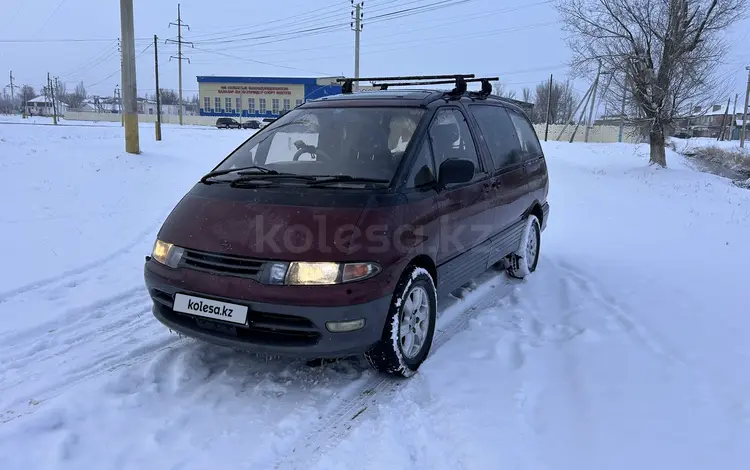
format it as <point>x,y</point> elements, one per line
<point>424,261</point>
<point>536,209</point>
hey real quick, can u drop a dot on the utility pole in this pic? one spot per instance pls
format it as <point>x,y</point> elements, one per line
<point>158,93</point>
<point>744,110</point>
<point>724,120</point>
<point>734,116</point>
<point>56,98</point>
<point>179,57</point>
<point>129,86</point>
<point>117,96</point>
<point>580,103</point>
<point>593,100</point>
<point>52,97</point>
<point>12,87</point>
<point>622,106</point>
<point>357,25</point>
<point>549,102</point>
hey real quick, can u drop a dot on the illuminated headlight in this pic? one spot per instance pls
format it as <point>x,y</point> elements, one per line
<point>322,273</point>
<point>313,273</point>
<point>167,254</point>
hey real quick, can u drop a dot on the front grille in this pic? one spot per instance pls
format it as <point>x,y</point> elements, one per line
<point>222,264</point>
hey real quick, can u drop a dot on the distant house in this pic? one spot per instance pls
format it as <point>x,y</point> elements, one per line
<point>43,106</point>
<point>707,122</point>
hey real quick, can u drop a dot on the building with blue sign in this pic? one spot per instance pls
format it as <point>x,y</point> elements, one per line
<point>259,97</point>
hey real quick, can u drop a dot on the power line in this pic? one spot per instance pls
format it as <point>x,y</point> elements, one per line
<point>277,36</point>
<point>48,18</point>
<point>118,70</point>
<point>454,20</point>
<point>315,15</point>
<point>262,62</point>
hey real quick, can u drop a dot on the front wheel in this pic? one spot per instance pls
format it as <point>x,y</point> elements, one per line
<point>410,326</point>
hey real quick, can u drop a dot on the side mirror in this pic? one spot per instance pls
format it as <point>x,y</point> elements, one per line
<point>454,171</point>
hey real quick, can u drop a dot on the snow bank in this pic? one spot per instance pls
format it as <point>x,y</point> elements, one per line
<point>626,349</point>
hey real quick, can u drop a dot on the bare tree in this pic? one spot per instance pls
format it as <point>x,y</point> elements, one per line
<point>168,96</point>
<point>526,92</point>
<point>6,104</point>
<point>27,93</point>
<point>61,91</point>
<point>500,90</point>
<point>667,49</point>
<point>561,102</point>
<point>77,97</point>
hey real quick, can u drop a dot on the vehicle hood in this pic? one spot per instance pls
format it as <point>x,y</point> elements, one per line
<point>285,223</point>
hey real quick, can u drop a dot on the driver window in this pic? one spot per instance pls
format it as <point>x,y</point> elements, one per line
<point>451,138</point>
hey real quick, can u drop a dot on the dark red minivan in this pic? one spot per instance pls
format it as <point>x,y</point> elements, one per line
<point>331,232</point>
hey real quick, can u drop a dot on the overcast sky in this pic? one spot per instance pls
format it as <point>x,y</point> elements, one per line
<point>521,41</point>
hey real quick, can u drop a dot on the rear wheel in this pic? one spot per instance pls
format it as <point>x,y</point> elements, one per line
<point>523,262</point>
<point>410,326</point>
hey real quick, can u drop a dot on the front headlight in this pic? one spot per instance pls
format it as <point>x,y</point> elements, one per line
<point>321,273</point>
<point>167,254</point>
<point>312,273</point>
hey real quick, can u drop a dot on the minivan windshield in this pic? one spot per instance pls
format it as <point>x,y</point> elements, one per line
<point>365,142</point>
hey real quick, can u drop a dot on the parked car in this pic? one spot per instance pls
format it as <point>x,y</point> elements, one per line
<point>332,232</point>
<point>266,121</point>
<point>227,123</point>
<point>251,124</point>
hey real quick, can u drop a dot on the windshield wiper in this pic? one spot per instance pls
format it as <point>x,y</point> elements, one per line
<point>245,170</point>
<point>347,179</point>
<point>252,178</point>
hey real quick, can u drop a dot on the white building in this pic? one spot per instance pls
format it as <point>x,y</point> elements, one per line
<point>42,106</point>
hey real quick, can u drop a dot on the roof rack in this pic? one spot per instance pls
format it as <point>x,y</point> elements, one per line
<point>460,81</point>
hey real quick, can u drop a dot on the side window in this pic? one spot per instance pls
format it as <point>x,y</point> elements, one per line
<point>451,138</point>
<point>499,133</point>
<point>423,171</point>
<point>529,142</point>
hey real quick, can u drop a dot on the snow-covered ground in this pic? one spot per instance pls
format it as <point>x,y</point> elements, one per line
<point>628,348</point>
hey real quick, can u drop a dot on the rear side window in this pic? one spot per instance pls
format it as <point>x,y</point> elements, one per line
<point>451,138</point>
<point>499,133</point>
<point>529,142</point>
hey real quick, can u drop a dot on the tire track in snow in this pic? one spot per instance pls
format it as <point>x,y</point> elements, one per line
<point>628,324</point>
<point>103,336</point>
<point>337,424</point>
<point>66,275</point>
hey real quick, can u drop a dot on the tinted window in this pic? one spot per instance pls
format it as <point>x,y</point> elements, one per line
<point>499,133</point>
<point>423,171</point>
<point>529,142</point>
<point>451,138</point>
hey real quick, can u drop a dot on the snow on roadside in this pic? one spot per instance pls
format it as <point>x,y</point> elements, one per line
<point>75,200</point>
<point>624,350</point>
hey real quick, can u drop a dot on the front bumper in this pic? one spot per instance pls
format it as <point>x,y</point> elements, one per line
<point>287,330</point>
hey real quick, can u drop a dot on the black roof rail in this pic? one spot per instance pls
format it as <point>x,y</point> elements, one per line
<point>457,78</point>
<point>460,81</point>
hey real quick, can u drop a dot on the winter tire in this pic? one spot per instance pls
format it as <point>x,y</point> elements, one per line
<point>523,262</point>
<point>410,326</point>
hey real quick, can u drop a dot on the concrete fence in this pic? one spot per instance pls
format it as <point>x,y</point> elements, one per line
<point>600,134</point>
<point>165,118</point>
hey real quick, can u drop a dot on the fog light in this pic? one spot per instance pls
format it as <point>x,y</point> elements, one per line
<point>344,326</point>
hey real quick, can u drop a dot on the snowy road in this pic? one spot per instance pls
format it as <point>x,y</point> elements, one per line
<point>625,350</point>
